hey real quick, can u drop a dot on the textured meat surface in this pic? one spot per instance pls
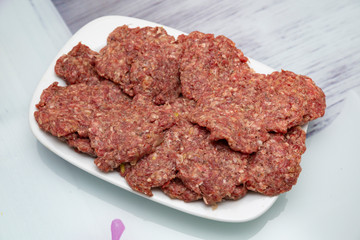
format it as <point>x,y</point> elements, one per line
<point>208,62</point>
<point>128,132</point>
<point>182,108</point>
<point>232,113</point>
<point>70,109</point>
<point>220,131</point>
<point>143,61</point>
<point>113,64</point>
<point>208,168</point>
<point>177,190</point>
<point>275,168</point>
<point>248,107</point>
<point>211,171</point>
<point>78,66</point>
<point>295,98</point>
<point>64,111</point>
<point>80,144</point>
<point>157,168</point>
<point>239,192</point>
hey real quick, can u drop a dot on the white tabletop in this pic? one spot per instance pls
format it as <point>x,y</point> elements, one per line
<point>44,197</point>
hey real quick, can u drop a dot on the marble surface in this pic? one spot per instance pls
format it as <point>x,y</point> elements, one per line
<point>44,197</point>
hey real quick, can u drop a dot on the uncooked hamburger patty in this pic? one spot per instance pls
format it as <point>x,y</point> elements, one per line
<point>80,144</point>
<point>177,190</point>
<point>218,175</point>
<point>239,192</point>
<point>220,131</point>
<point>248,107</point>
<point>157,168</point>
<point>66,112</point>
<point>143,61</point>
<point>208,168</point>
<point>208,62</point>
<point>128,132</point>
<point>78,66</point>
<point>275,168</point>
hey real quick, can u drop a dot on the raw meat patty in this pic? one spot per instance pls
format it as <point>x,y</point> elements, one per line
<point>208,62</point>
<point>246,109</point>
<point>275,168</point>
<point>128,132</point>
<point>221,130</point>
<point>80,144</point>
<point>239,192</point>
<point>66,112</point>
<point>143,61</point>
<point>210,169</point>
<point>78,66</point>
<point>177,190</point>
<point>157,168</point>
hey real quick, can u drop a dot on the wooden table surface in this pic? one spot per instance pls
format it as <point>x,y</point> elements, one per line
<point>320,39</point>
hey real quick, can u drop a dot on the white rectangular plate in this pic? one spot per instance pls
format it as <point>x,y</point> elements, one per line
<point>94,35</point>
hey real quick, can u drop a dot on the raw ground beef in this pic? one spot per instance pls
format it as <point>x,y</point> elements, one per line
<point>177,190</point>
<point>275,168</point>
<point>248,107</point>
<point>67,112</point>
<point>182,107</point>
<point>78,66</point>
<point>306,101</point>
<point>208,168</point>
<point>80,144</point>
<point>220,130</point>
<point>143,61</point>
<point>128,132</point>
<point>212,171</point>
<point>239,192</point>
<point>208,62</point>
<point>157,168</point>
<point>204,169</point>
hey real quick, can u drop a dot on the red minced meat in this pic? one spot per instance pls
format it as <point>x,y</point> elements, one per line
<point>78,66</point>
<point>143,61</point>
<point>128,132</point>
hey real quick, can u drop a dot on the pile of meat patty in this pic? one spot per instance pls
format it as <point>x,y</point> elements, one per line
<point>186,115</point>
